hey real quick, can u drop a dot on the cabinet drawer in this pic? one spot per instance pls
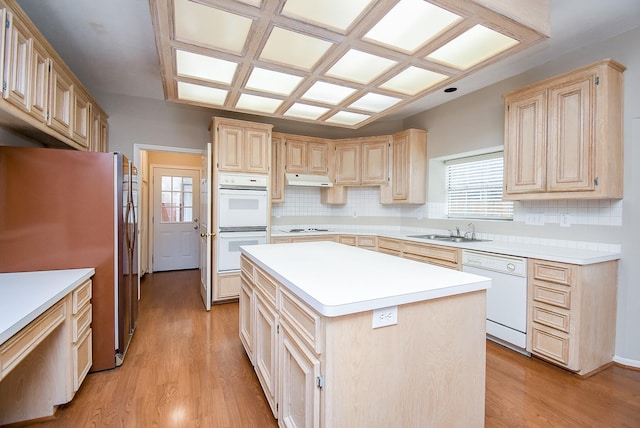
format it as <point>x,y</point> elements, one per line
<point>389,244</point>
<point>266,285</point>
<point>81,323</point>
<point>367,241</point>
<point>20,344</point>
<point>348,240</point>
<point>552,294</point>
<point>80,296</point>
<point>550,344</point>
<point>246,267</point>
<point>305,322</point>
<point>280,240</point>
<point>82,358</point>
<point>429,260</point>
<point>559,273</point>
<point>550,317</point>
<point>448,254</point>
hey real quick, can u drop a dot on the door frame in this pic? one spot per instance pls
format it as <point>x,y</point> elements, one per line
<point>152,201</point>
<point>137,156</point>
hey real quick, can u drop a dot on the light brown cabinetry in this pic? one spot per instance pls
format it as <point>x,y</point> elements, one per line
<point>241,146</point>
<point>368,242</point>
<point>364,161</point>
<point>408,159</point>
<point>99,136</point>
<point>572,313</point>
<point>277,168</point>
<point>41,97</point>
<point>563,136</point>
<point>306,155</point>
<point>44,364</point>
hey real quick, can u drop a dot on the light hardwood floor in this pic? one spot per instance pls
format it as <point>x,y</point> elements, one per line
<point>186,368</point>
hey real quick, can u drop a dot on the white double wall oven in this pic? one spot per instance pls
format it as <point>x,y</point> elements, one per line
<point>243,213</point>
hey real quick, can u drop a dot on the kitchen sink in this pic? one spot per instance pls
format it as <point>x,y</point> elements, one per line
<point>448,238</point>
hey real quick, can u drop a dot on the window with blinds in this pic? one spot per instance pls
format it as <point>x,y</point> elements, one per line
<point>474,188</point>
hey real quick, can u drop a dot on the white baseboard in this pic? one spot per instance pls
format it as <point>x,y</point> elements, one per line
<point>627,362</point>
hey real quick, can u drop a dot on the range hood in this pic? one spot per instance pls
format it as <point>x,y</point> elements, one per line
<point>309,180</point>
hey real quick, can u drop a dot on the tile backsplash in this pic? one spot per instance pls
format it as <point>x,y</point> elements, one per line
<point>365,202</point>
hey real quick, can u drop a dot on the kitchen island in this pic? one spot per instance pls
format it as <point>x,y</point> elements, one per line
<point>342,336</point>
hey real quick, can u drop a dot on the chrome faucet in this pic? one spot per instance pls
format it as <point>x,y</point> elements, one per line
<point>472,230</point>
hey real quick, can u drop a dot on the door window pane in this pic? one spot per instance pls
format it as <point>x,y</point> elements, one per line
<point>177,199</point>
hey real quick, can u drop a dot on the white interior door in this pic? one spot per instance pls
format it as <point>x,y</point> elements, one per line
<point>176,206</point>
<point>205,225</point>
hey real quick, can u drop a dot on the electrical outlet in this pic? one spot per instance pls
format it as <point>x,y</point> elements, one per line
<point>565,220</point>
<point>355,214</point>
<point>384,317</point>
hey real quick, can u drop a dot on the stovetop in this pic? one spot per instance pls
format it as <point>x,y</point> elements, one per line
<point>309,229</point>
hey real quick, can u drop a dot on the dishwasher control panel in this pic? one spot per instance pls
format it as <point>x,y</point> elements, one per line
<point>497,262</point>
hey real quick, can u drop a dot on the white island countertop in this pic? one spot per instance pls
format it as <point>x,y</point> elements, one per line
<point>337,279</point>
<point>26,295</point>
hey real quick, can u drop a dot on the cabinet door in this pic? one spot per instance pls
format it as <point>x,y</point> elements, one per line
<point>80,118</point>
<point>17,67</point>
<point>375,162</point>
<point>60,100</point>
<point>296,156</point>
<point>571,139</point>
<point>265,351</point>
<point>526,146</point>
<point>257,148</point>
<point>245,318</point>
<point>230,141</point>
<point>39,91</point>
<point>318,158</point>
<point>348,164</point>
<point>99,136</point>
<point>277,170</point>
<point>299,395</point>
<point>400,178</point>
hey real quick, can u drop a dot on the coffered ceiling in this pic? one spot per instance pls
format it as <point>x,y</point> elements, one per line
<point>333,62</point>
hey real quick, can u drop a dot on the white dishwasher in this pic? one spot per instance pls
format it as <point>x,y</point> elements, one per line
<point>507,297</point>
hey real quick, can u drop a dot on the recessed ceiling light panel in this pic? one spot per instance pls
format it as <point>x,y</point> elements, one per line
<point>294,49</point>
<point>338,14</point>
<point>272,81</point>
<point>189,64</point>
<point>375,103</point>
<point>201,94</point>
<point>413,80</point>
<point>257,103</point>
<point>411,24</point>
<point>327,93</point>
<point>305,111</point>
<point>360,67</point>
<point>347,118</point>
<point>208,26</point>
<point>472,47</point>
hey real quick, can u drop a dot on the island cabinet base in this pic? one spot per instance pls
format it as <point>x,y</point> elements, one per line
<point>428,370</point>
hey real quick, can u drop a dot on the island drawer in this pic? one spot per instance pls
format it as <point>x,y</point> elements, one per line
<point>20,344</point>
<point>266,285</point>
<point>303,320</point>
<point>246,267</point>
<point>81,296</point>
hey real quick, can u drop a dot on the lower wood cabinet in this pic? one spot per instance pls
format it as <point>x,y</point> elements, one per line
<point>572,313</point>
<point>439,255</point>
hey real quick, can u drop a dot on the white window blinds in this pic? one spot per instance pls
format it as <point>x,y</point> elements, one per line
<point>474,188</point>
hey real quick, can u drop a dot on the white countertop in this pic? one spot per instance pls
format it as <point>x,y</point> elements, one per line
<point>337,279</point>
<point>24,296</point>
<point>545,252</point>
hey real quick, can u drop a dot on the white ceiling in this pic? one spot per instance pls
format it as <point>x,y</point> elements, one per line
<point>110,45</point>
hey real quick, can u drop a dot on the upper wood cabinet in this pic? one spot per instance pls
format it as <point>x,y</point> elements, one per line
<point>347,163</point>
<point>364,161</point>
<point>408,181</point>
<point>41,97</point>
<point>241,146</point>
<point>277,167</point>
<point>99,136</point>
<point>563,136</point>
<point>306,155</point>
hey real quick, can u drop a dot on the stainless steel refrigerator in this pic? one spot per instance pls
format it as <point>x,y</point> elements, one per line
<point>63,209</point>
